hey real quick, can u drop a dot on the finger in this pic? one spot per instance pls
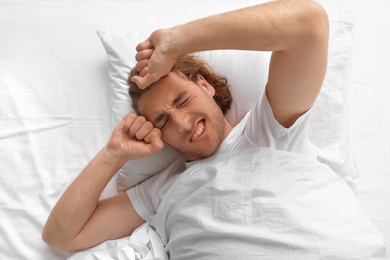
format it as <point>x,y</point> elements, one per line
<point>144,54</point>
<point>144,82</point>
<point>143,72</point>
<point>144,131</point>
<point>127,121</point>
<point>156,142</point>
<point>148,138</point>
<point>147,44</point>
<point>141,65</point>
<point>136,126</point>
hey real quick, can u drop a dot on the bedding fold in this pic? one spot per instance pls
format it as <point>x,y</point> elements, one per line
<point>264,204</point>
<point>143,244</point>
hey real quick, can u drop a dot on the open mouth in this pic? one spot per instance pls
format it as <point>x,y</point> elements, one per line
<point>199,131</point>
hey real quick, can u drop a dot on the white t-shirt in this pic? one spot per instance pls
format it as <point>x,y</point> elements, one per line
<point>258,128</point>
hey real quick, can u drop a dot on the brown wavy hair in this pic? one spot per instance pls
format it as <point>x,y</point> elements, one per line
<point>190,66</point>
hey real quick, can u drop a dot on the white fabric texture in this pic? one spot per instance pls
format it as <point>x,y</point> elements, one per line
<point>247,74</point>
<point>262,203</point>
<point>147,195</point>
<point>143,244</point>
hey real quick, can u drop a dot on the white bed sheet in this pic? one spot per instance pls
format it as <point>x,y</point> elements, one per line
<point>55,113</point>
<point>370,109</point>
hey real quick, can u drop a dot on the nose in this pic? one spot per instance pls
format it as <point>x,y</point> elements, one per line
<point>181,120</point>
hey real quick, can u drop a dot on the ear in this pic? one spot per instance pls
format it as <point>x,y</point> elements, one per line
<point>203,83</point>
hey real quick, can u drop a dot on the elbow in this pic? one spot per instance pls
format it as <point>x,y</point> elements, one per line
<point>53,240</point>
<point>315,22</point>
<point>306,22</point>
<point>50,239</point>
<point>47,237</point>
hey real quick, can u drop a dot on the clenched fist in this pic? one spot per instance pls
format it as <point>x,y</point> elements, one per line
<point>153,59</point>
<point>135,137</point>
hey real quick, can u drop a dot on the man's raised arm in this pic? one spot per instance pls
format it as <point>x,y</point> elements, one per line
<point>296,31</point>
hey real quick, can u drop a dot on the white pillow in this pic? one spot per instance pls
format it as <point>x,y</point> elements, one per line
<point>247,74</point>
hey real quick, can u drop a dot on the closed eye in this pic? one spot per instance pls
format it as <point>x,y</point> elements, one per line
<point>165,123</point>
<point>184,102</point>
<point>165,120</point>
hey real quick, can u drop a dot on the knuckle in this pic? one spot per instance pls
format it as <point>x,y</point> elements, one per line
<point>138,56</point>
<point>147,138</point>
<point>139,135</point>
<point>130,117</point>
<point>141,120</point>
<point>149,125</point>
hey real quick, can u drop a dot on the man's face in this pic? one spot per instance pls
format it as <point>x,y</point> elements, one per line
<point>190,120</point>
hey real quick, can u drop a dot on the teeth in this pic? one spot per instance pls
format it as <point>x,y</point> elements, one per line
<point>199,132</point>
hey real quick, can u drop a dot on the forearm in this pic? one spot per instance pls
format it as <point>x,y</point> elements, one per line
<point>273,26</point>
<point>80,200</point>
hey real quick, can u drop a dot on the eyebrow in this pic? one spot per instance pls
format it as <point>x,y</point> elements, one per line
<point>174,102</point>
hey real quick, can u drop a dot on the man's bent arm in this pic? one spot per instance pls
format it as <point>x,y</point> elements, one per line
<point>79,220</point>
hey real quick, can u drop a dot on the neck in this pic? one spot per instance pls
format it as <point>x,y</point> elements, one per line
<point>228,129</point>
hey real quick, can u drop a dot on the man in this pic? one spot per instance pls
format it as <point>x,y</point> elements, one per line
<point>183,114</point>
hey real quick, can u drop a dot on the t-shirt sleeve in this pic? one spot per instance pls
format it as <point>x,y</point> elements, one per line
<point>147,195</point>
<point>264,130</point>
<point>140,197</point>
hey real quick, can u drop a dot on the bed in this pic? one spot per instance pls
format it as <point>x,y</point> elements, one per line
<point>62,70</point>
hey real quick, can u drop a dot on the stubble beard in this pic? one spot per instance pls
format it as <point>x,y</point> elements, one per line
<point>209,145</point>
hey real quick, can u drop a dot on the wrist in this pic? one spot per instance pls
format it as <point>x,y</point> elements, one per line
<point>170,42</point>
<point>113,157</point>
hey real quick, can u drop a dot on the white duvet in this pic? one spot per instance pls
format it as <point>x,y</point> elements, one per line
<point>255,203</point>
<point>143,244</point>
<point>264,204</point>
